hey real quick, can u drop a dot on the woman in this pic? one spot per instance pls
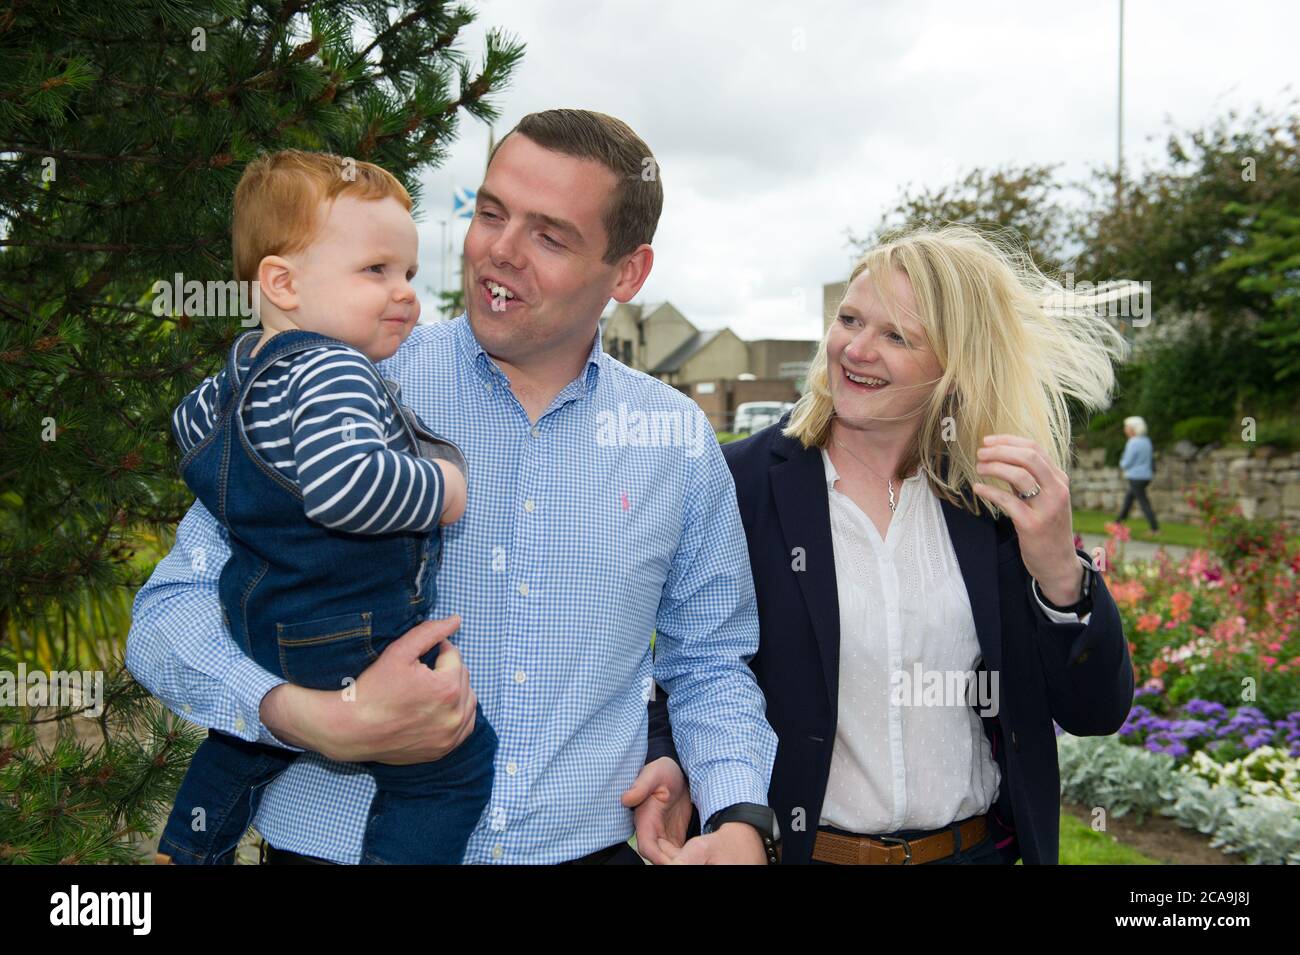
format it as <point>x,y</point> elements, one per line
<point>909,529</point>
<point>1136,463</point>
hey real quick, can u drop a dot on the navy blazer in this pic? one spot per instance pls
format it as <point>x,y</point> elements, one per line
<point>1078,675</point>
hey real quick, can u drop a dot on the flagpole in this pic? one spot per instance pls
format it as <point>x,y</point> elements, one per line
<point>442,258</point>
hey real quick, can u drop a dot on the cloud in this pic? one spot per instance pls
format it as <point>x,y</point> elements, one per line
<point>778,127</point>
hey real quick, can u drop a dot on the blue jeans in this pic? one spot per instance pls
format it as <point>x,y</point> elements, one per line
<point>984,852</point>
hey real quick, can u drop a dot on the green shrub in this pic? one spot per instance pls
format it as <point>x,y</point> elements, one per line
<point>1106,430</point>
<point>1281,433</point>
<point>1201,430</point>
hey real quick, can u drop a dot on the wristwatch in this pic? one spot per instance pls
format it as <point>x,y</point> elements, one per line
<point>762,818</point>
<point>1084,604</point>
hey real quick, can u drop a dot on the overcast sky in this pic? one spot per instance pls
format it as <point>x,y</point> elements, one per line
<point>778,126</point>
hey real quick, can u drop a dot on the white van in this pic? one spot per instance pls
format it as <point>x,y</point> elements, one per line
<point>754,416</point>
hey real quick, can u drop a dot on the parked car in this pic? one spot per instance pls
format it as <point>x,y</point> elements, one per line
<point>754,416</point>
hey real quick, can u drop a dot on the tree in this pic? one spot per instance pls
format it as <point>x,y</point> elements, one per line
<point>124,128</point>
<point>1023,203</point>
<point>1269,263</point>
<point>1175,224</point>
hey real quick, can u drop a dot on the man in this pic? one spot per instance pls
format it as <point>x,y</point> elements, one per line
<point>581,537</point>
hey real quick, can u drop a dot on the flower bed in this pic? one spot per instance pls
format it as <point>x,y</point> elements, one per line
<point>1213,739</point>
<point>1219,626</point>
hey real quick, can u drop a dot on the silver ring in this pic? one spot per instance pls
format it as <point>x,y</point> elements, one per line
<point>1026,496</point>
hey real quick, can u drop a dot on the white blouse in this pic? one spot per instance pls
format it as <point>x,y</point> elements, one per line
<point>902,602</point>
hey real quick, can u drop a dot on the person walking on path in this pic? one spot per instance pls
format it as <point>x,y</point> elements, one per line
<point>1137,464</point>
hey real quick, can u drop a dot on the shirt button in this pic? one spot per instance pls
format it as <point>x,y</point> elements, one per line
<point>489,386</point>
<point>511,768</point>
<point>523,590</point>
<point>497,852</point>
<point>239,723</point>
<point>188,708</point>
<point>536,431</point>
<point>528,505</point>
<point>520,676</point>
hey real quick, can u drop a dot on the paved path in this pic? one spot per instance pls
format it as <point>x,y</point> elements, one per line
<point>1137,550</point>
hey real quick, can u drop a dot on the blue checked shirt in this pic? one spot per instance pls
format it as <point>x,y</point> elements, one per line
<point>611,518</point>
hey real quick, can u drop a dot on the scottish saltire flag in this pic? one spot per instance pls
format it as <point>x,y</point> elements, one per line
<point>462,204</point>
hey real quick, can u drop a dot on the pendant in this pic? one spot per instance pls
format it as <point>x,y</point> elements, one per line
<point>892,502</point>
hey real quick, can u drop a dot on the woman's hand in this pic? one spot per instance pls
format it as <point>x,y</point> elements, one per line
<point>1044,522</point>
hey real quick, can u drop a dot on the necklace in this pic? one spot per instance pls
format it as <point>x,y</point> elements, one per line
<point>888,481</point>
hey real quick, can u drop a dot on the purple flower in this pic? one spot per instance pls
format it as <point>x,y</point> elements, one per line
<point>1205,708</point>
<point>1189,729</point>
<point>1256,740</point>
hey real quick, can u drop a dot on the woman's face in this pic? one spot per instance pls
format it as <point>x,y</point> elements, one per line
<point>874,372</point>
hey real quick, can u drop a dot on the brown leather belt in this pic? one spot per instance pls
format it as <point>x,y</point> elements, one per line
<point>891,850</point>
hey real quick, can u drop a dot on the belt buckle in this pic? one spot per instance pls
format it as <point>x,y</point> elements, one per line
<point>907,848</point>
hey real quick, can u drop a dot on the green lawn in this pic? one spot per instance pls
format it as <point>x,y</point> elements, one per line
<point>1183,535</point>
<point>1080,845</point>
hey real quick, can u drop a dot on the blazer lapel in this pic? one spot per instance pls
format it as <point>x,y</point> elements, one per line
<point>974,541</point>
<point>799,488</point>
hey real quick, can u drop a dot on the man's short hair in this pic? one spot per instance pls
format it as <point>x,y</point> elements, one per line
<point>278,201</point>
<point>638,198</point>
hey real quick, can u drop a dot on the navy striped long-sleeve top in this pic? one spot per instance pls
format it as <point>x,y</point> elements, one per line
<point>320,417</point>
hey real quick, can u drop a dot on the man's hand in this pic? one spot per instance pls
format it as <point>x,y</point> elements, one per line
<point>662,801</point>
<point>398,712</point>
<point>735,843</point>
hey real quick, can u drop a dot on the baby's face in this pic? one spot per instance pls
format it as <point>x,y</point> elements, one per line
<point>354,280</point>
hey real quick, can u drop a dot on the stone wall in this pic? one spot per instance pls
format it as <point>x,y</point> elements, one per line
<point>1265,481</point>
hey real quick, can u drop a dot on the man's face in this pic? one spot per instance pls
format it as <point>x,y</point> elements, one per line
<point>538,231</point>
<point>354,281</point>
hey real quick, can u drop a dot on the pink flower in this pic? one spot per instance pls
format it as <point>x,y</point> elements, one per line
<point>1118,531</point>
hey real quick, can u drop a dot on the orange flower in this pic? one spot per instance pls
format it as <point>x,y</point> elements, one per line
<point>1158,667</point>
<point>1180,604</point>
<point>1148,623</point>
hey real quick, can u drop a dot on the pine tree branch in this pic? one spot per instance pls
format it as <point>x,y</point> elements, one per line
<point>443,40</point>
<point>76,155</point>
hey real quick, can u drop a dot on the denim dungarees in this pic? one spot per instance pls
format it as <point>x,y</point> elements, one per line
<point>317,606</point>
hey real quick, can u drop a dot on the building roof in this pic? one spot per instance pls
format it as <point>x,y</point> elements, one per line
<point>685,351</point>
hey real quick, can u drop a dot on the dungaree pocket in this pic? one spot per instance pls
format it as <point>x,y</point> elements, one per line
<point>321,654</point>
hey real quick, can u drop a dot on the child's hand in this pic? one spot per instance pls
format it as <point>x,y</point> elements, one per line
<point>453,492</point>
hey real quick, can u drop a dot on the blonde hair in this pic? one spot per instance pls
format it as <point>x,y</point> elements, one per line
<point>277,202</point>
<point>1013,346</point>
